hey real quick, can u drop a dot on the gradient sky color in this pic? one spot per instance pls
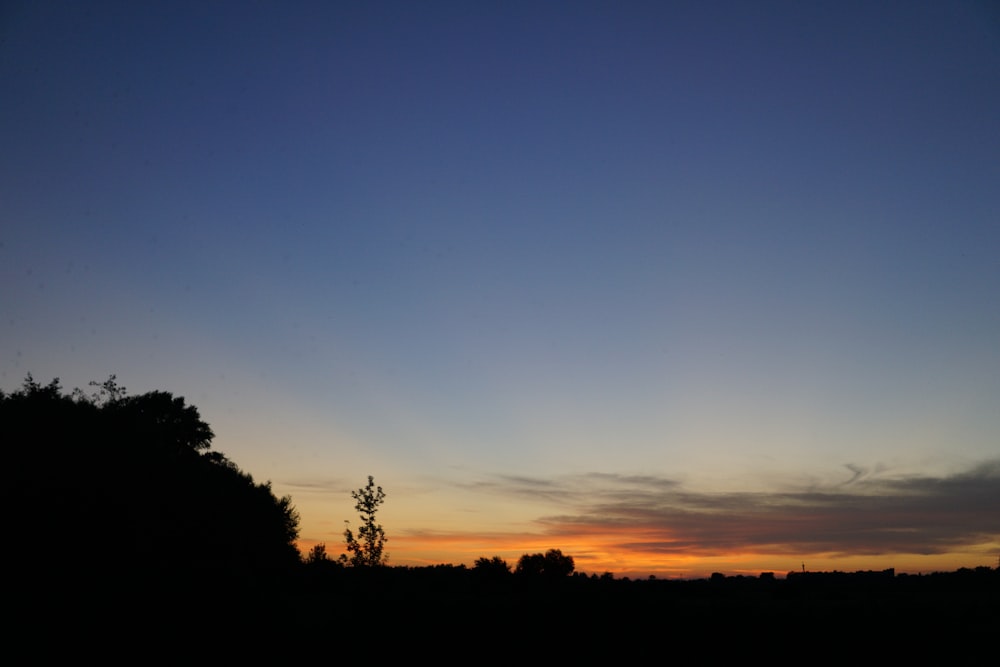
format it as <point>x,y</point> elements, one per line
<point>676,287</point>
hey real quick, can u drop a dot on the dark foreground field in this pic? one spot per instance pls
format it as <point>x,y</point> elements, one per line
<point>805,619</point>
<point>449,615</point>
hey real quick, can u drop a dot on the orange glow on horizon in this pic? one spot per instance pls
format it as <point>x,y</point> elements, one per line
<point>597,553</point>
<point>686,535</point>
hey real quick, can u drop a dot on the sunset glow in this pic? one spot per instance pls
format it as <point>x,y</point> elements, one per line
<point>641,526</point>
<point>673,287</point>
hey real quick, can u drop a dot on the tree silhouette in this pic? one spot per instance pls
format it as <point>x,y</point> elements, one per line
<point>113,474</point>
<point>366,550</point>
<point>552,565</point>
<point>317,554</point>
<point>492,567</point>
<point>491,571</point>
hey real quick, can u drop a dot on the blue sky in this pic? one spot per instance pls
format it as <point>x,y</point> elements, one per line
<point>736,247</point>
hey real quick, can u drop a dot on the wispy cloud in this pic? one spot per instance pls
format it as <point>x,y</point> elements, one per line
<point>869,514</point>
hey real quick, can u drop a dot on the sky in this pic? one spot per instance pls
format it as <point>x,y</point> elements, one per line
<point>674,287</point>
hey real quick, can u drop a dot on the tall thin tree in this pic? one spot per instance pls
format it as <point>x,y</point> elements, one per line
<point>367,549</point>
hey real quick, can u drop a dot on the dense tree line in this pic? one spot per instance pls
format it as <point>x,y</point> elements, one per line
<point>111,484</point>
